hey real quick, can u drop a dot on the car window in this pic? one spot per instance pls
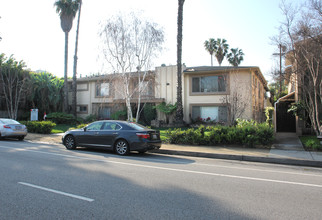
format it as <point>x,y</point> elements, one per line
<point>9,121</point>
<point>111,126</point>
<point>136,126</point>
<point>94,126</point>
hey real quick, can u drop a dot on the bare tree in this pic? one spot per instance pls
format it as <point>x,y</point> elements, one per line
<point>302,31</point>
<point>129,45</point>
<point>236,101</point>
<point>12,83</point>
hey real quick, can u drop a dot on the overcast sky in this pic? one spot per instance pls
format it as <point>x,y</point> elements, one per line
<point>31,31</point>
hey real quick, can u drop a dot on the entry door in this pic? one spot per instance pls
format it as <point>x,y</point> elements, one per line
<point>285,121</point>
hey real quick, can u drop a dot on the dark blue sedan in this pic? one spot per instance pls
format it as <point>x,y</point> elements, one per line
<point>119,136</point>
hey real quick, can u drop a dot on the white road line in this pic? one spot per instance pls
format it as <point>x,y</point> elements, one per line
<point>57,192</point>
<point>177,170</point>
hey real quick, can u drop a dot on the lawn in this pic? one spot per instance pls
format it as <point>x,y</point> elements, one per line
<point>60,128</point>
<point>311,142</point>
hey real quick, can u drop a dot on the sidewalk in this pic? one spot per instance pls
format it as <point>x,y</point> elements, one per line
<point>287,149</point>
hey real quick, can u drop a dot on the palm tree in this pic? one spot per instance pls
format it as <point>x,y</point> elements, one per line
<point>221,50</point>
<point>235,56</point>
<point>179,112</point>
<point>74,84</point>
<point>211,46</point>
<point>67,10</point>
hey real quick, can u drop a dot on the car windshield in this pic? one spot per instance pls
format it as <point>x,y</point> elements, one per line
<point>137,126</point>
<point>9,121</point>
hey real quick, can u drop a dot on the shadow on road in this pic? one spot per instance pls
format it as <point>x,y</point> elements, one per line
<point>157,158</point>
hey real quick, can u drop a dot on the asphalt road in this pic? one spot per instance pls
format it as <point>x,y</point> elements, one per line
<point>41,181</point>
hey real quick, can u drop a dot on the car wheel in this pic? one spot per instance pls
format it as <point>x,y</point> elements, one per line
<point>122,147</point>
<point>70,143</point>
<point>21,138</point>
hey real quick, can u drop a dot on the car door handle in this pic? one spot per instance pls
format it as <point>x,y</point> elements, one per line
<point>115,133</point>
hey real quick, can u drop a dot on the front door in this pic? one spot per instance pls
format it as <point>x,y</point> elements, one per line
<point>285,121</point>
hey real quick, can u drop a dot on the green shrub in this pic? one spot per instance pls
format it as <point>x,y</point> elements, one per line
<point>41,127</point>
<point>149,113</point>
<point>90,118</point>
<point>264,134</point>
<point>78,127</point>
<point>245,133</point>
<point>269,111</point>
<point>175,136</point>
<point>61,118</point>
<point>119,115</point>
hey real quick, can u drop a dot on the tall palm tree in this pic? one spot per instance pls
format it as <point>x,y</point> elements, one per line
<point>221,50</point>
<point>179,112</point>
<point>211,46</point>
<point>74,84</point>
<point>67,10</point>
<point>235,56</point>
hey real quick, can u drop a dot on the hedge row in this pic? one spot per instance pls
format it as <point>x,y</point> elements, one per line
<point>41,127</point>
<point>61,118</point>
<point>249,135</point>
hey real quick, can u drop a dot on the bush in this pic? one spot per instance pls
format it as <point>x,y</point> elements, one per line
<point>78,127</point>
<point>41,127</point>
<point>149,113</point>
<point>90,118</point>
<point>119,115</point>
<point>61,118</point>
<point>245,133</point>
<point>269,112</point>
<point>311,143</point>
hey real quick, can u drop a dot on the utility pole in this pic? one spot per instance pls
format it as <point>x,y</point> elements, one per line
<point>280,54</point>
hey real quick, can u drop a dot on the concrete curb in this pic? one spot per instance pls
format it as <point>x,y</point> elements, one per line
<point>284,161</point>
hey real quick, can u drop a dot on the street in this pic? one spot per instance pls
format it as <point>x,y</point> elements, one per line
<point>43,181</point>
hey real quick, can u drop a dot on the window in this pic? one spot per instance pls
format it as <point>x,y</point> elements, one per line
<point>95,126</point>
<point>209,84</point>
<point>103,89</point>
<point>137,126</point>
<point>104,112</point>
<point>146,88</point>
<point>214,113</point>
<point>111,126</point>
<point>82,108</point>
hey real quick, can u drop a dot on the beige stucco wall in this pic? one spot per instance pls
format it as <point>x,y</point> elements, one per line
<point>239,82</point>
<point>166,86</point>
<point>166,83</point>
<point>240,85</point>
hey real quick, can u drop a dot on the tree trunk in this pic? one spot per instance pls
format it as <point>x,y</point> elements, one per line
<point>65,75</point>
<point>74,84</point>
<point>179,112</point>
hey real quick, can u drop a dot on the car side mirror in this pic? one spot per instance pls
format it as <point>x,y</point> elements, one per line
<point>85,128</point>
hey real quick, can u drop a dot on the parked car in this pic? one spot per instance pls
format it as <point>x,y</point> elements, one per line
<point>119,136</point>
<point>12,129</point>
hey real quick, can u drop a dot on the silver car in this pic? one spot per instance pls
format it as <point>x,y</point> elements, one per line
<point>12,129</point>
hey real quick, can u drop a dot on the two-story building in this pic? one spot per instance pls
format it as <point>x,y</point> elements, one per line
<point>219,94</point>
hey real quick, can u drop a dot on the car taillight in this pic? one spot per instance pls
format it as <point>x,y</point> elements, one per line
<point>143,135</point>
<point>6,126</point>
